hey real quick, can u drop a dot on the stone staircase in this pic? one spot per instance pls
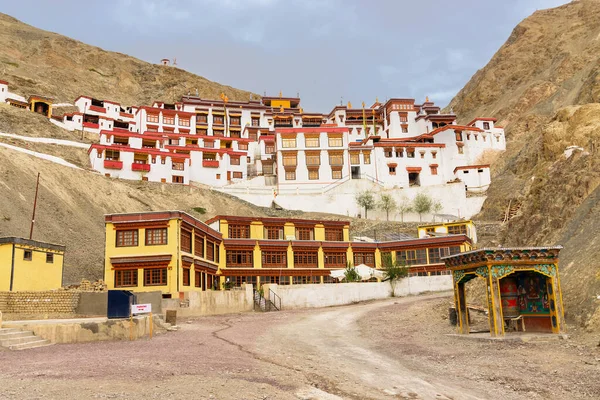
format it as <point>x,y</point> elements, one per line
<point>16,339</point>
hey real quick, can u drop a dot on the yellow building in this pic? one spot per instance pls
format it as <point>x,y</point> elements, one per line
<point>169,251</point>
<point>295,251</point>
<point>29,265</point>
<point>173,252</point>
<point>40,105</point>
<point>466,227</point>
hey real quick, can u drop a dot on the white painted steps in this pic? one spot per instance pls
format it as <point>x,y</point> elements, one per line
<point>16,339</point>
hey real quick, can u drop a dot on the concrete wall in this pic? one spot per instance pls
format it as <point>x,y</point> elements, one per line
<point>94,330</point>
<point>211,302</point>
<point>308,296</point>
<point>92,304</point>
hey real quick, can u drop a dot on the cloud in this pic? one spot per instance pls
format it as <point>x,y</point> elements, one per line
<point>443,97</point>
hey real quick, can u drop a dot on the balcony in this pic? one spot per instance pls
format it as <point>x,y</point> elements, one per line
<point>91,125</point>
<point>210,163</point>
<point>111,164</point>
<point>140,167</point>
<point>97,109</point>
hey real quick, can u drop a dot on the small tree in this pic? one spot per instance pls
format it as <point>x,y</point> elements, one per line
<point>437,207</point>
<point>365,200</point>
<point>350,274</point>
<point>393,271</point>
<point>387,203</point>
<point>404,207</point>
<point>422,204</point>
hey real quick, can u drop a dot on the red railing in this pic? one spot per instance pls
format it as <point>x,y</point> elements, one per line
<point>210,163</point>
<point>97,109</point>
<point>110,164</point>
<point>91,125</point>
<point>140,167</point>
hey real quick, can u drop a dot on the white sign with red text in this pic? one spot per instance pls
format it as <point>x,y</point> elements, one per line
<point>141,308</point>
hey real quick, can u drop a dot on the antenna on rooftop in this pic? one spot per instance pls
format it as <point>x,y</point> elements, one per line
<point>265,93</point>
<point>175,61</point>
<point>341,100</point>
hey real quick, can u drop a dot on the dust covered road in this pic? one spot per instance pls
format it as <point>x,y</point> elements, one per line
<point>393,349</point>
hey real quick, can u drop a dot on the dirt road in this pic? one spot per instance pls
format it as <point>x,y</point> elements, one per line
<point>395,349</point>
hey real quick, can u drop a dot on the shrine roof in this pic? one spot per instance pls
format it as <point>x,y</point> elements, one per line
<point>507,255</point>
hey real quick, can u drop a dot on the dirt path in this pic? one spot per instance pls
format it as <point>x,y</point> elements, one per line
<point>395,349</point>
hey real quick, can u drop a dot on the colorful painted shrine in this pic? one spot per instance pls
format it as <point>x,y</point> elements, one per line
<point>40,105</point>
<point>523,286</point>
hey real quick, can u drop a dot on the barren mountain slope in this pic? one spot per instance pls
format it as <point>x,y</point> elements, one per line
<point>543,86</point>
<point>35,61</point>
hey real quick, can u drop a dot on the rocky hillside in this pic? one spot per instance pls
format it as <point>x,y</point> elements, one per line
<point>543,85</point>
<point>35,61</point>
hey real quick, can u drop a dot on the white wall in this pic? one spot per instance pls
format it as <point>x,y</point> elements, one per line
<point>336,294</point>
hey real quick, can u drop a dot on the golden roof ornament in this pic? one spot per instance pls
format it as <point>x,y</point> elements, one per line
<point>376,99</point>
<point>427,99</point>
<point>280,94</point>
<point>281,108</point>
<point>349,105</point>
<point>363,104</point>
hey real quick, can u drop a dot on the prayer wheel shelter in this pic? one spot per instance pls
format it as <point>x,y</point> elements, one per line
<point>523,288</point>
<point>40,105</point>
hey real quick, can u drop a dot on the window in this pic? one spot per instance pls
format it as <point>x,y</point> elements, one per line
<point>305,233</point>
<point>334,234</point>
<point>237,175</point>
<point>218,132</point>
<point>269,148</point>
<point>197,279</point>
<point>313,159</point>
<point>239,231</point>
<point>460,150</point>
<point>468,136</point>
<point>458,136</point>
<point>367,158</point>
<point>392,170</point>
<point>274,232</point>
<point>434,154</point>
<point>155,277</point>
<point>199,246</point>
<point>302,280</point>
<point>27,255</point>
<point>336,174</point>
<point>364,258</point>
<point>267,169</point>
<point>486,126</point>
<point>457,230</point>
<point>156,236</point>
<point>422,154</point>
<point>454,250</point>
<point>412,257</point>
<point>289,160</point>
<point>152,118</point>
<point>186,241</point>
<point>210,144</point>
<point>354,158</point>
<point>127,238</point>
<point>335,141</point>
<point>184,122</point>
<point>337,259</point>
<point>313,174</point>
<point>239,258</point>
<point>186,276</point>
<point>178,166</point>
<point>336,159</point>
<point>404,128</point>
<point>312,141</point>
<point>290,175</point>
<point>234,120</point>
<point>410,153</point>
<point>163,160</point>
<point>210,250</point>
<point>49,258</point>
<point>436,254</point>
<point>306,259</point>
<point>177,179</point>
<point>288,142</point>
<point>201,118</point>
<point>255,121</point>
<point>234,160</point>
<point>433,169</point>
<point>388,153</point>
<point>242,146</point>
<point>218,119</point>
<point>126,278</point>
<point>169,120</point>
<point>274,259</point>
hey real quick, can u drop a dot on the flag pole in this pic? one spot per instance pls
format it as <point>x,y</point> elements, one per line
<point>37,185</point>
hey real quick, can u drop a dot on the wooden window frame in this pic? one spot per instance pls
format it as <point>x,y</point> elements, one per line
<point>126,278</point>
<point>306,259</point>
<point>186,241</point>
<point>239,258</point>
<point>290,175</point>
<point>239,231</point>
<point>122,241</point>
<point>367,258</point>
<point>334,234</point>
<point>305,233</point>
<point>274,232</point>
<point>49,258</point>
<point>277,258</point>
<point>288,143</point>
<point>313,174</point>
<point>155,276</point>
<point>153,118</point>
<point>199,246</point>
<point>168,120</point>
<point>185,276</point>
<point>335,259</point>
<point>312,142</point>
<point>152,239</point>
<point>27,255</point>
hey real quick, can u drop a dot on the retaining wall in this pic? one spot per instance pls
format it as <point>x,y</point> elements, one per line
<point>48,302</point>
<point>211,302</point>
<point>311,295</point>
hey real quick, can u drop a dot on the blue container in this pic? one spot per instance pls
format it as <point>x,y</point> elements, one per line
<point>119,303</point>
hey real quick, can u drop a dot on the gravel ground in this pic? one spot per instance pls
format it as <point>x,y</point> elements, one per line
<point>392,349</point>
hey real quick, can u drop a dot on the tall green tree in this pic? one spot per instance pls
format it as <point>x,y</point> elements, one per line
<point>422,204</point>
<point>365,200</point>
<point>393,271</point>
<point>387,203</point>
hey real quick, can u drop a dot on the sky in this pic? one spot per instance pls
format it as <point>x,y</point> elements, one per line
<point>327,51</point>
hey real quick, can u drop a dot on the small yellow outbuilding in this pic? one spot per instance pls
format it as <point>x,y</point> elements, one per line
<point>29,265</point>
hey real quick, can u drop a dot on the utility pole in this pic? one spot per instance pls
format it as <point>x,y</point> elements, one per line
<point>37,185</point>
